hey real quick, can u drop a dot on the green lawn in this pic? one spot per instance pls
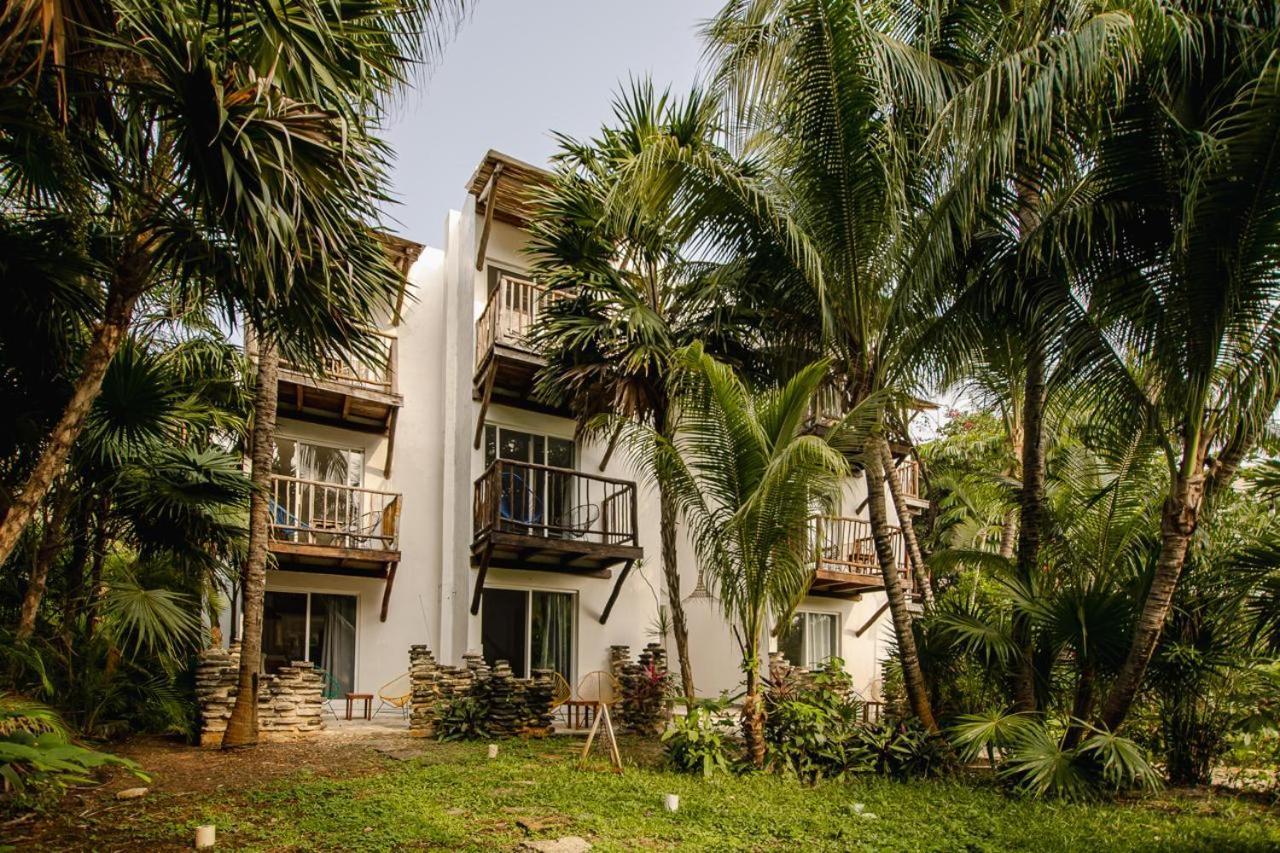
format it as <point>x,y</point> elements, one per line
<point>454,797</point>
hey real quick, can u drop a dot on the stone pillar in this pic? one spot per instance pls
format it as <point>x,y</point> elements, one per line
<point>290,702</point>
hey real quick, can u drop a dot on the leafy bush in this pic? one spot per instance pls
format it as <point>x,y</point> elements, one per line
<point>1029,755</point>
<point>38,760</point>
<point>464,718</point>
<point>703,740</point>
<point>809,723</point>
<point>901,749</point>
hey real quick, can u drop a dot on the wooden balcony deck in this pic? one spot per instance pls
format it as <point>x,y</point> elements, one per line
<point>845,561</point>
<point>506,362</point>
<point>540,518</point>
<point>335,529</point>
<point>354,395</point>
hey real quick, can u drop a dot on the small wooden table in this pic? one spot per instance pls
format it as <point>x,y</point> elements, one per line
<point>368,704</point>
<point>578,713</point>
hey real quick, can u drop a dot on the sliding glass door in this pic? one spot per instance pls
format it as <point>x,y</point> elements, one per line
<point>318,627</point>
<point>530,629</point>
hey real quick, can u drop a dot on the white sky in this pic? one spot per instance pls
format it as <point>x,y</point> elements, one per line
<point>518,71</point>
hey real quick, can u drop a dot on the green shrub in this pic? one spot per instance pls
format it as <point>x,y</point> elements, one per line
<point>901,749</point>
<point>809,723</point>
<point>38,759</point>
<point>703,740</point>
<point>1030,755</point>
<point>464,718</point>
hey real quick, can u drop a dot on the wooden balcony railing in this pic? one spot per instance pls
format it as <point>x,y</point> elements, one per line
<point>540,501</point>
<point>511,312</point>
<point>846,545</point>
<point>376,373</point>
<point>308,512</point>
<point>908,477</point>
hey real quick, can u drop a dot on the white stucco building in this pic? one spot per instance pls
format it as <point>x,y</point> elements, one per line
<point>436,502</point>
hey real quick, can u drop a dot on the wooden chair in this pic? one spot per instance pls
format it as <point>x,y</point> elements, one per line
<point>397,694</point>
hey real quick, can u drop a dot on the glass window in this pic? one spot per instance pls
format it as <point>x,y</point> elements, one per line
<point>527,447</point>
<point>318,462</point>
<point>812,639</point>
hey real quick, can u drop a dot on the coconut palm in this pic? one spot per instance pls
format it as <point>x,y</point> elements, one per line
<point>747,479</point>
<point>623,298</point>
<point>1187,286</point>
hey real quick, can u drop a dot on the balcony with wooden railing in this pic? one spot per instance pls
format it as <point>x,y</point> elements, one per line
<point>357,393</point>
<point>506,360</point>
<point>541,518</point>
<point>335,529</point>
<point>845,559</point>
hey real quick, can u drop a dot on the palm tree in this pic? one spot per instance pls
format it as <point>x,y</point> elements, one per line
<point>1189,290</point>
<point>622,298</point>
<point>228,186</point>
<point>747,479</point>
<point>242,725</point>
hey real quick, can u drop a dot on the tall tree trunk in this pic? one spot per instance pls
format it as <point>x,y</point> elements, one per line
<point>101,544</point>
<point>753,712</point>
<point>1031,511</point>
<point>1177,525</point>
<point>1009,534</point>
<point>122,295</point>
<point>912,675</point>
<point>908,527</point>
<point>73,594</point>
<point>51,541</point>
<point>667,521</point>
<point>242,727</point>
<point>1082,706</point>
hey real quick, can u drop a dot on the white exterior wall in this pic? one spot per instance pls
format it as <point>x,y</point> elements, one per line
<point>435,466</point>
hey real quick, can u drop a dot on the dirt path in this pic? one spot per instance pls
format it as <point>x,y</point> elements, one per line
<point>93,817</point>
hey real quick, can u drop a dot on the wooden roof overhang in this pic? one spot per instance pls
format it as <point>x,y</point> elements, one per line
<point>502,185</point>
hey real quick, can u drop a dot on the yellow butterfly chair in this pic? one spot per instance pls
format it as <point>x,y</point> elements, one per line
<point>396,694</point>
<point>596,689</point>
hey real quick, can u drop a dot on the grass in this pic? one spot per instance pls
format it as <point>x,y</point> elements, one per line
<point>454,797</point>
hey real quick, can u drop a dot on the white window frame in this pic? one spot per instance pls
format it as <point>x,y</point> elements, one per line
<point>528,623</point>
<point>331,445</point>
<point>838,644</point>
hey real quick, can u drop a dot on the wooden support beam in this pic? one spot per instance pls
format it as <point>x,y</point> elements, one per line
<point>484,401</point>
<point>617,587</point>
<point>386,591</point>
<point>613,443</point>
<point>489,197</point>
<point>484,570</point>
<point>391,441</point>
<point>297,395</point>
<point>346,406</point>
<point>875,616</point>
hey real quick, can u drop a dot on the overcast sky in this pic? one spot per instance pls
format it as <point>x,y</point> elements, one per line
<point>518,71</point>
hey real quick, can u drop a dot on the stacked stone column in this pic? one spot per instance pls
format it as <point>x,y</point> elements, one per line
<point>290,701</point>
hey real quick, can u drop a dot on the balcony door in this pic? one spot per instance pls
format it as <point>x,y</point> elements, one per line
<point>314,502</point>
<point>537,501</point>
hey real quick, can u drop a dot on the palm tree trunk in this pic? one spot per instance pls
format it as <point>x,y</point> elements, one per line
<point>122,295</point>
<point>925,580</point>
<point>51,542</point>
<point>1081,707</point>
<point>1177,525</point>
<point>242,727</point>
<point>1031,513</point>
<point>912,675</point>
<point>667,521</point>
<point>753,713</point>
<point>1009,534</point>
